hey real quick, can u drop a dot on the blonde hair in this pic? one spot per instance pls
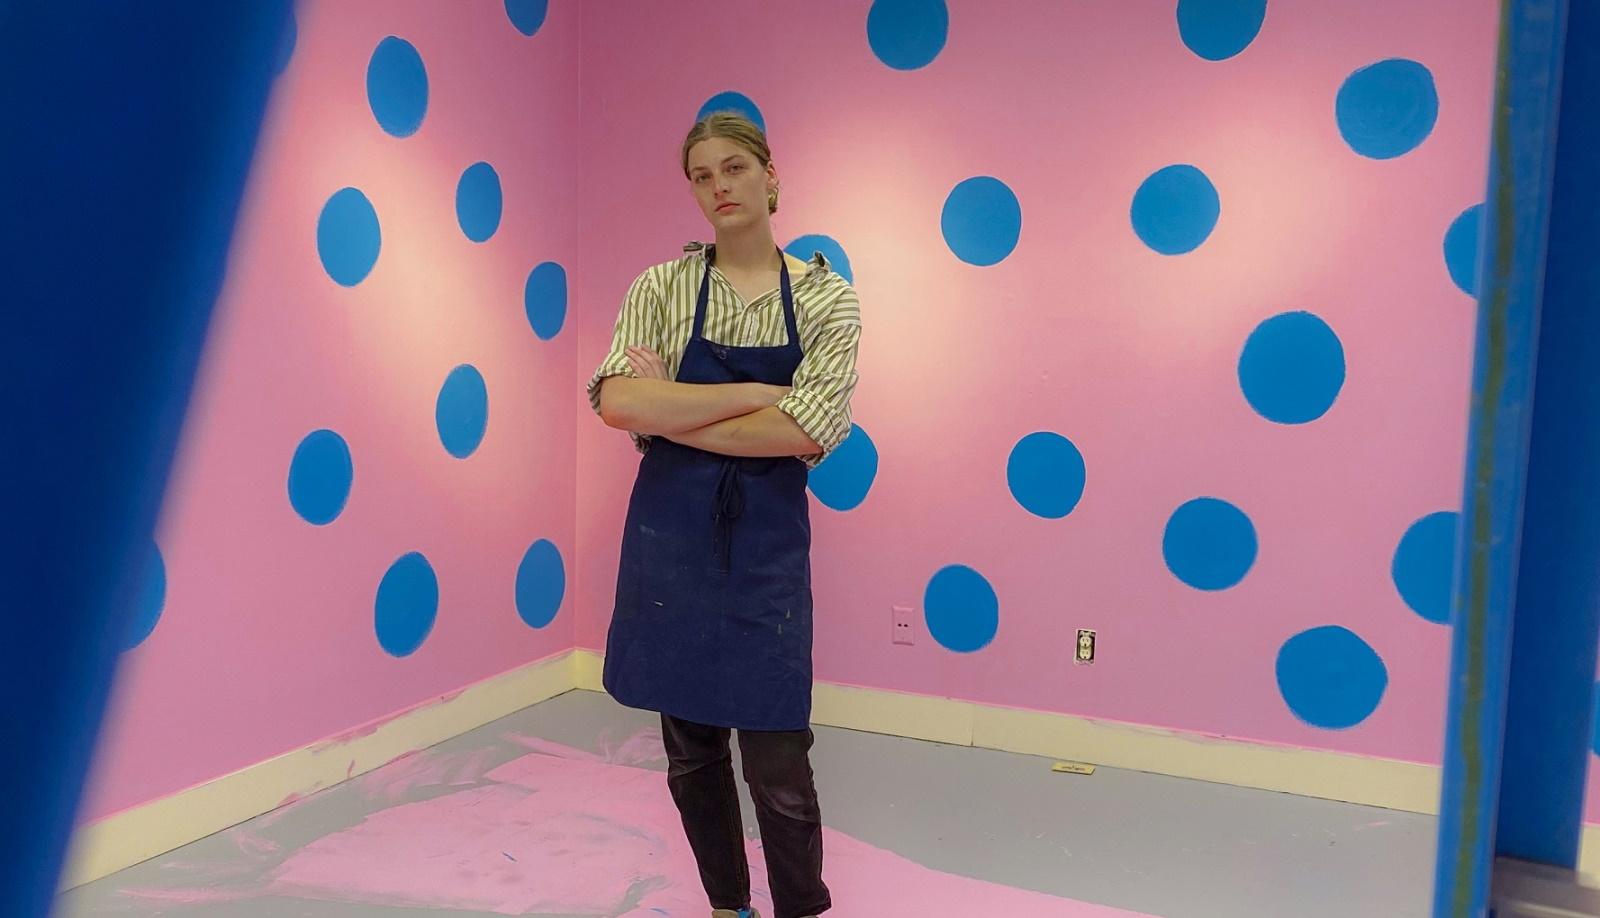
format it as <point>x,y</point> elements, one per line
<point>741,130</point>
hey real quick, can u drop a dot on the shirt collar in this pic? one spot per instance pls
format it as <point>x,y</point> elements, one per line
<point>817,262</point>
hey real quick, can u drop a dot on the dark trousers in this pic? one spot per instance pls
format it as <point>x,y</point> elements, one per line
<point>777,768</point>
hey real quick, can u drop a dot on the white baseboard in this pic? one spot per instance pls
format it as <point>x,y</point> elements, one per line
<point>152,829</point>
<point>138,834</point>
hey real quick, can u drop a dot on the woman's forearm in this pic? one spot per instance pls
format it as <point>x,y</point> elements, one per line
<point>659,407</point>
<point>764,433</point>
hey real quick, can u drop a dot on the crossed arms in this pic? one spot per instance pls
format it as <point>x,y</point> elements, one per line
<point>733,419</point>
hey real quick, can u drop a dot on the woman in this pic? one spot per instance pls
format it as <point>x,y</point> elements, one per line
<point>732,367</point>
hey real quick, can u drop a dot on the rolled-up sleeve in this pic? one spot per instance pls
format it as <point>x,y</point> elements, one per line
<point>819,400</point>
<point>638,325</point>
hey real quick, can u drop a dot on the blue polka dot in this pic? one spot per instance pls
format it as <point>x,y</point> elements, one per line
<point>982,220</point>
<point>843,479</point>
<point>1209,544</point>
<point>397,87</point>
<point>541,584</point>
<point>407,604</point>
<point>348,238</point>
<point>150,598</point>
<point>1461,250</point>
<point>962,611</point>
<point>1292,368</point>
<point>1175,209</point>
<point>1218,29</point>
<point>806,246</point>
<point>734,102</point>
<point>319,477</point>
<point>291,35</point>
<point>1387,109</point>
<point>478,202</point>
<point>1046,474</point>
<point>1330,677</point>
<point>527,15</point>
<point>462,411</point>
<point>544,299</point>
<point>1424,565</point>
<point>907,34</point>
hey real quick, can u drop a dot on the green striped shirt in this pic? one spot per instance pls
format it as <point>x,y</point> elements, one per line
<point>658,313</point>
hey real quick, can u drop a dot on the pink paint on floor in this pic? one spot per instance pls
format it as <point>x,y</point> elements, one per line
<point>559,832</point>
<point>564,835</point>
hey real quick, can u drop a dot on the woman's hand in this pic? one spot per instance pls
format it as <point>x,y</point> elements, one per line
<point>647,364</point>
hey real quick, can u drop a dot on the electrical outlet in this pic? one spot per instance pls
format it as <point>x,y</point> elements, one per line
<point>903,633</point>
<point>1085,653</point>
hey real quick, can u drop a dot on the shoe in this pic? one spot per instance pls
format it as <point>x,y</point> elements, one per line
<point>730,913</point>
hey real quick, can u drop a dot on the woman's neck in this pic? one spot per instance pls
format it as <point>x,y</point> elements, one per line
<point>750,251</point>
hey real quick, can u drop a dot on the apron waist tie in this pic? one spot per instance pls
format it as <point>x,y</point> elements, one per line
<point>726,508</point>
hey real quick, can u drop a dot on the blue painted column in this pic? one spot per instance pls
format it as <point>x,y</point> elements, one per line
<point>1528,574</point>
<point>129,129</point>
<point>1549,706</point>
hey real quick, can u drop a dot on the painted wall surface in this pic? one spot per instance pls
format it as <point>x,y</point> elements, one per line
<point>357,526</point>
<point>1165,336</point>
<point>1168,335</point>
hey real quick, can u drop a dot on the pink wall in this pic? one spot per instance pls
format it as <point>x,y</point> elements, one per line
<point>267,642</point>
<point>1085,331</point>
<point>268,638</point>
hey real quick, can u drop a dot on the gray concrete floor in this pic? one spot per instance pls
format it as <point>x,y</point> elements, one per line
<point>1147,843</point>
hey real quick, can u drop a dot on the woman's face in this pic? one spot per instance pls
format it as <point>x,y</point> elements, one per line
<point>729,183</point>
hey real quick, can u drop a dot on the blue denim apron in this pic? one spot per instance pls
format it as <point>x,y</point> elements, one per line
<point>713,613</point>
